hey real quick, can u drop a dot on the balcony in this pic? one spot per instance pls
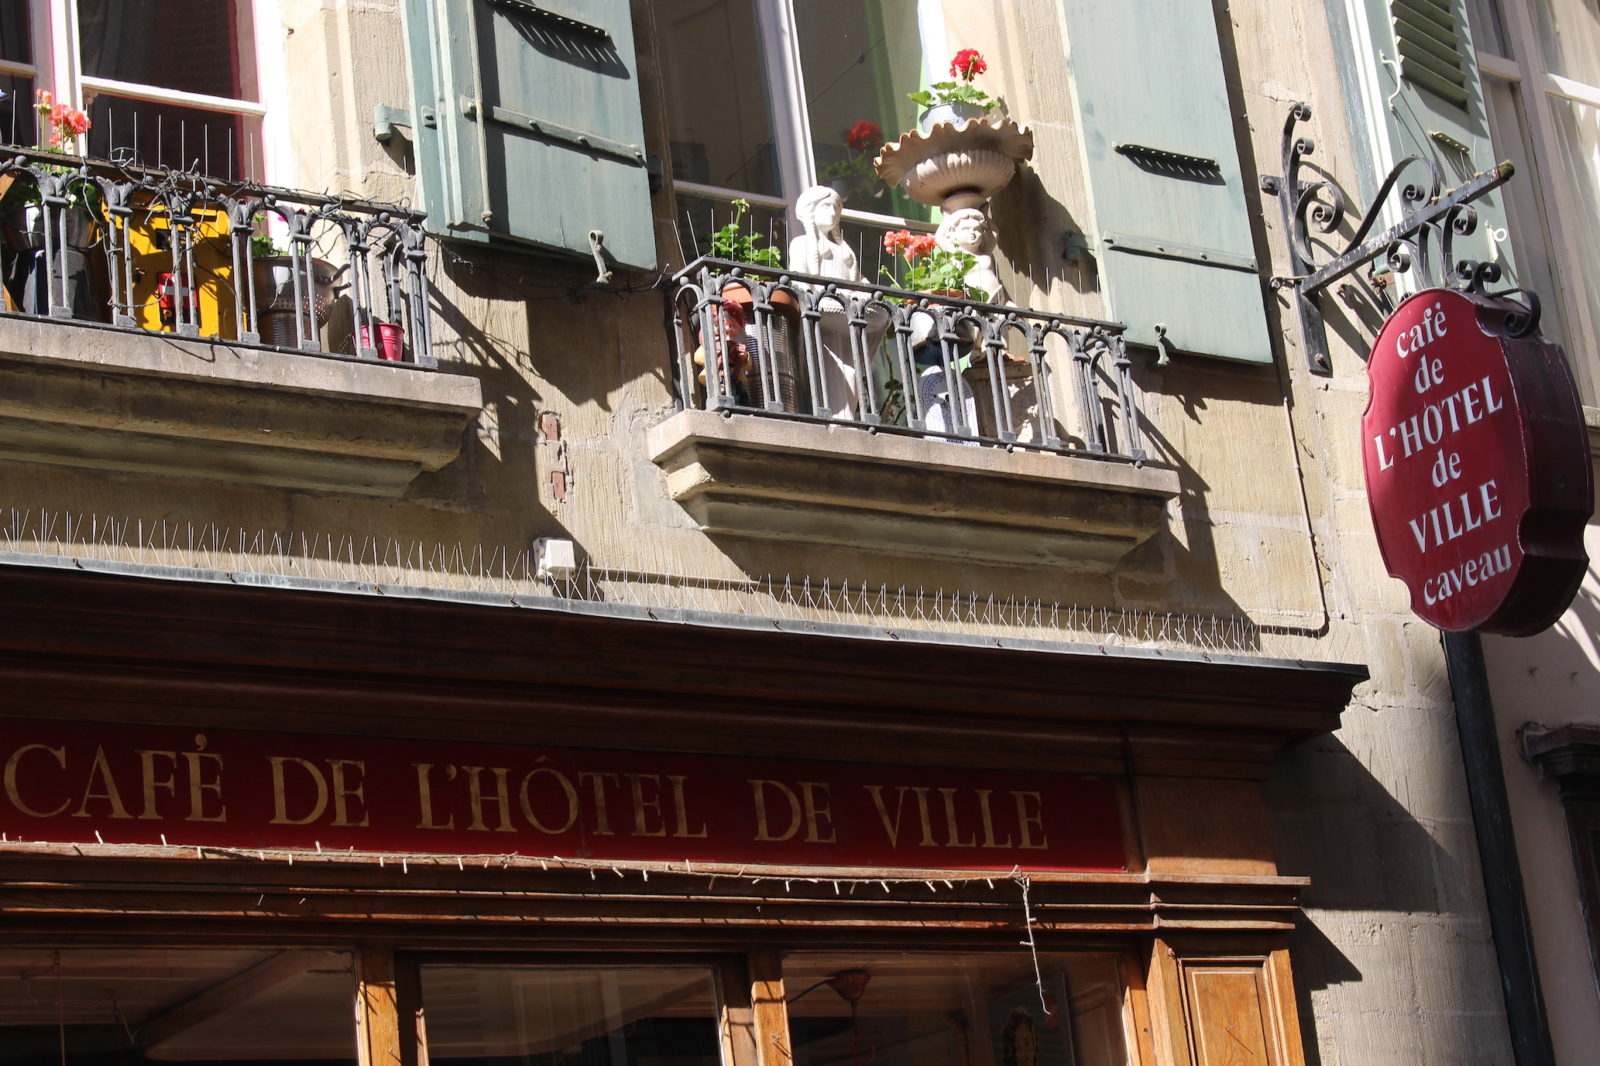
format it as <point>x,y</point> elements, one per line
<point>875,417</point>
<point>148,327</point>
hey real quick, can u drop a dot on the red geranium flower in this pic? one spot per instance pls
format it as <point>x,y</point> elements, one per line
<point>864,135</point>
<point>967,64</point>
<point>894,242</point>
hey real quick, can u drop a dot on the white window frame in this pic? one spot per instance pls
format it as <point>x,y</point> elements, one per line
<point>1537,85</point>
<point>58,66</point>
<point>791,122</point>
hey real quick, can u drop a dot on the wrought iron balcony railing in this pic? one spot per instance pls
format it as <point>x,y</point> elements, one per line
<point>780,344</point>
<point>184,253</point>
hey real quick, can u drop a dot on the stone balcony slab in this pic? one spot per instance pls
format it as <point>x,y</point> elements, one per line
<point>841,483</point>
<point>84,395</point>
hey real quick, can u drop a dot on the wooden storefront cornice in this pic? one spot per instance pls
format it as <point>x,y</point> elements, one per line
<point>47,889</point>
<point>291,658</point>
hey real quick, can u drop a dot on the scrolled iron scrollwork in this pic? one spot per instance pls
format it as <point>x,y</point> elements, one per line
<point>1421,243</point>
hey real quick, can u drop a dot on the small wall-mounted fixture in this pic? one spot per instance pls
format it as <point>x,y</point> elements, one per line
<point>555,559</point>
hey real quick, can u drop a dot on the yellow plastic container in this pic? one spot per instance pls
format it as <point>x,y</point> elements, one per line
<point>149,240</point>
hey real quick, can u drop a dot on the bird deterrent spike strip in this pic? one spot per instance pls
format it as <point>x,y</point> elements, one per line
<point>506,571</point>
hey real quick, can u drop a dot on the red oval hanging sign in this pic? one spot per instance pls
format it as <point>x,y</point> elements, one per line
<point>1477,465</point>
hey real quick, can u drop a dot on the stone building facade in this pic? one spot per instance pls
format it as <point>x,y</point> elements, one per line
<point>536,692</point>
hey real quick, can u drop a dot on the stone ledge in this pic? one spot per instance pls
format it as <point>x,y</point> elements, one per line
<point>840,484</point>
<point>82,395</point>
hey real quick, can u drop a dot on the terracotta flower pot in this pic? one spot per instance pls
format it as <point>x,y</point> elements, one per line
<point>782,353</point>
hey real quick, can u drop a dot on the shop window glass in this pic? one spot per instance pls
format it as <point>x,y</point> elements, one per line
<point>549,1015</point>
<point>955,1010</point>
<point>98,1006</point>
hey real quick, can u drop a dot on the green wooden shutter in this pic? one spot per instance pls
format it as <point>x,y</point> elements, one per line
<point>1433,104</point>
<point>528,124</point>
<point>1171,225</point>
<point>1428,42</point>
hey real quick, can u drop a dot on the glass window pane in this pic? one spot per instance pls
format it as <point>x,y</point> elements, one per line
<point>16,40</point>
<point>955,1010</point>
<point>16,111</point>
<point>197,46</point>
<point>1528,235</point>
<point>1569,34</point>
<point>859,60</point>
<point>700,216</point>
<point>88,1007</point>
<point>717,107</point>
<point>1578,129</point>
<point>1488,25</point>
<point>571,1016</point>
<point>159,135</point>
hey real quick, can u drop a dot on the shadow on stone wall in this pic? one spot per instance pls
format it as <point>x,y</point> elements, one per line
<point>1334,822</point>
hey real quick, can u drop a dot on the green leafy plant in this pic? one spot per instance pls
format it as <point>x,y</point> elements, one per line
<point>66,124</point>
<point>928,267</point>
<point>262,246</point>
<point>732,242</point>
<point>966,65</point>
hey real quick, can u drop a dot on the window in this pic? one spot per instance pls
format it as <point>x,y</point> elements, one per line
<point>82,1006</point>
<point>765,100</point>
<point>1172,232</point>
<point>166,84</point>
<point>1571,755</point>
<point>955,1010</point>
<point>570,1015</point>
<point>1540,64</point>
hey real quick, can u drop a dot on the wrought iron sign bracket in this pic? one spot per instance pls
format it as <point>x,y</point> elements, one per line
<point>1434,218</point>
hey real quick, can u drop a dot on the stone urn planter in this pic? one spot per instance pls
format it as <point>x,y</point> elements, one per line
<point>956,161</point>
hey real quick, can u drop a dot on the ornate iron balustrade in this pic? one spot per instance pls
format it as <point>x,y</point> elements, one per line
<point>1433,218</point>
<point>174,251</point>
<point>776,343</point>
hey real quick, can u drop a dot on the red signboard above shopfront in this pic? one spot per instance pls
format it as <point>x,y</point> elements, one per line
<point>85,782</point>
<point>1477,465</point>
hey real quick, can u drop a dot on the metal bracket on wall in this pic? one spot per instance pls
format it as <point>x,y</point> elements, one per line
<point>1436,216</point>
<point>384,120</point>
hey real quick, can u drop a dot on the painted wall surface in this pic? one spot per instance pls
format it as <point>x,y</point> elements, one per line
<point>1394,963</point>
<point>1550,680</point>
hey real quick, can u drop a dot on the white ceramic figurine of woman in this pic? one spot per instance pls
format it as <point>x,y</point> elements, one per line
<point>821,249</point>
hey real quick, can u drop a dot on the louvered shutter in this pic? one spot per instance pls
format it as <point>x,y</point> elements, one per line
<point>1433,104</point>
<point>1172,227</point>
<point>528,124</point>
<point>1428,41</point>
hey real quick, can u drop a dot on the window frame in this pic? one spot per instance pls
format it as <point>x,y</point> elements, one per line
<point>58,66</point>
<point>791,120</point>
<point>1536,86</point>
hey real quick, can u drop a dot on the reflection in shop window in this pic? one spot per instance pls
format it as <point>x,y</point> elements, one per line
<point>570,1016</point>
<point>947,1010</point>
<point>99,1006</point>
